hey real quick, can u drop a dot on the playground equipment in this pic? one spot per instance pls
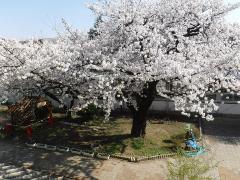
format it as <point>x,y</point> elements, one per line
<point>29,111</point>
<point>192,146</point>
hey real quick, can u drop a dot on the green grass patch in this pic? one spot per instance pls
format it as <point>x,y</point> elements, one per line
<point>137,143</point>
<point>114,137</point>
<point>112,148</point>
<point>110,137</point>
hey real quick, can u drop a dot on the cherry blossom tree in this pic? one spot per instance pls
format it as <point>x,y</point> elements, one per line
<point>186,43</point>
<point>24,65</point>
<point>137,48</point>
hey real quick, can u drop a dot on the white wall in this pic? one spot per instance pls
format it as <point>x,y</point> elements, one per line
<point>228,108</point>
<point>162,105</point>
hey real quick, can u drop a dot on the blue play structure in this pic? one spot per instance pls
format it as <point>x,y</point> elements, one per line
<point>192,145</point>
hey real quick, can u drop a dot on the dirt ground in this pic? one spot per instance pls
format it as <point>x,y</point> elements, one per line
<point>76,167</point>
<point>222,138</point>
<point>224,149</point>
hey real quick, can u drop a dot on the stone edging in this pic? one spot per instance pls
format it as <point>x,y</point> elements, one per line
<point>160,156</point>
<point>84,153</point>
<point>144,158</point>
<point>102,156</point>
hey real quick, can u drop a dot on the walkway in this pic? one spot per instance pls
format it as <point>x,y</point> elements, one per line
<point>223,141</point>
<point>13,172</point>
<point>78,167</point>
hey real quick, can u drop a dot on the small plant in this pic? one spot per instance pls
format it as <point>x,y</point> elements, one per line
<point>189,169</point>
<point>112,148</point>
<point>91,112</point>
<point>2,135</point>
<point>138,143</point>
<point>178,141</point>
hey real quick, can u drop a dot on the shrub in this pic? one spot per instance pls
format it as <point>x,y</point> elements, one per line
<point>90,112</point>
<point>189,169</point>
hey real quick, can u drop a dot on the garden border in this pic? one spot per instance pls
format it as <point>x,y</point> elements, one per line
<point>102,156</point>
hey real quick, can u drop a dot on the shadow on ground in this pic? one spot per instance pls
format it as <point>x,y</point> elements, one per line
<point>66,165</point>
<point>223,129</point>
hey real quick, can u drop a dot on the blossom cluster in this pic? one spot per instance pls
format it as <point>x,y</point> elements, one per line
<point>136,42</point>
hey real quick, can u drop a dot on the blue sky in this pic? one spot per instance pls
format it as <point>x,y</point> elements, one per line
<point>39,18</point>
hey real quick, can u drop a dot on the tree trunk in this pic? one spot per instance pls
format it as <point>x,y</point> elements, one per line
<point>69,112</point>
<point>139,124</point>
<point>143,103</point>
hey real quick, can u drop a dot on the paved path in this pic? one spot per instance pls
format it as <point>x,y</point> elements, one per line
<point>78,167</point>
<point>223,140</point>
<point>52,162</point>
<point>13,172</point>
<point>120,170</point>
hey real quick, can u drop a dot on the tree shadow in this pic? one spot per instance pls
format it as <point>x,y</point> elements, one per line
<point>229,127</point>
<point>112,143</point>
<point>223,129</point>
<point>60,164</point>
<point>84,137</point>
<point>107,138</point>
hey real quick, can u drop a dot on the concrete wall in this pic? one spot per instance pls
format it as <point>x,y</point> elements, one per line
<point>225,107</point>
<point>231,108</point>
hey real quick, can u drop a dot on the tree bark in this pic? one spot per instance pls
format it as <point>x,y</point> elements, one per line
<point>143,104</point>
<point>139,124</point>
<point>69,112</point>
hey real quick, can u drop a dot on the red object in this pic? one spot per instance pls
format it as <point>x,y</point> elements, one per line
<point>50,120</point>
<point>8,129</point>
<point>29,131</point>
